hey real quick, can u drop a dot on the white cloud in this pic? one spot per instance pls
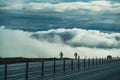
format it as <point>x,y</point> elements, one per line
<point>60,7</point>
<point>80,38</point>
<point>19,43</point>
<point>102,14</point>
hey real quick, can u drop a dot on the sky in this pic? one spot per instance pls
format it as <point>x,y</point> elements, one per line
<point>44,28</point>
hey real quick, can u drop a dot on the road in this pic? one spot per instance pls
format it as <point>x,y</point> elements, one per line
<point>17,71</point>
<point>106,72</point>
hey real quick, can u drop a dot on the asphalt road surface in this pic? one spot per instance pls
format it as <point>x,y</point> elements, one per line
<point>106,72</point>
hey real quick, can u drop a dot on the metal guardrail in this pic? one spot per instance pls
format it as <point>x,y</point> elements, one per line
<point>64,67</point>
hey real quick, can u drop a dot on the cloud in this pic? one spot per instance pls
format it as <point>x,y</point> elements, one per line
<point>80,38</point>
<point>102,15</point>
<point>43,15</point>
<point>17,43</point>
<point>50,43</point>
<point>60,7</point>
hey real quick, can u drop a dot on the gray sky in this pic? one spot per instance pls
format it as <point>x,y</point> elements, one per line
<point>43,28</point>
<point>37,15</point>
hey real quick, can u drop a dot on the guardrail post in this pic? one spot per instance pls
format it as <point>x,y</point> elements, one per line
<point>54,67</point>
<point>88,62</point>
<point>64,65</point>
<point>71,64</point>
<point>102,61</point>
<point>42,71</point>
<point>78,62</point>
<point>99,61</point>
<point>93,62</point>
<point>5,74</point>
<point>84,63</point>
<point>26,71</point>
<point>96,61</point>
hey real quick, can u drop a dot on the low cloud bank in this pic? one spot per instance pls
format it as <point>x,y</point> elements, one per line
<point>80,38</point>
<point>49,43</point>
